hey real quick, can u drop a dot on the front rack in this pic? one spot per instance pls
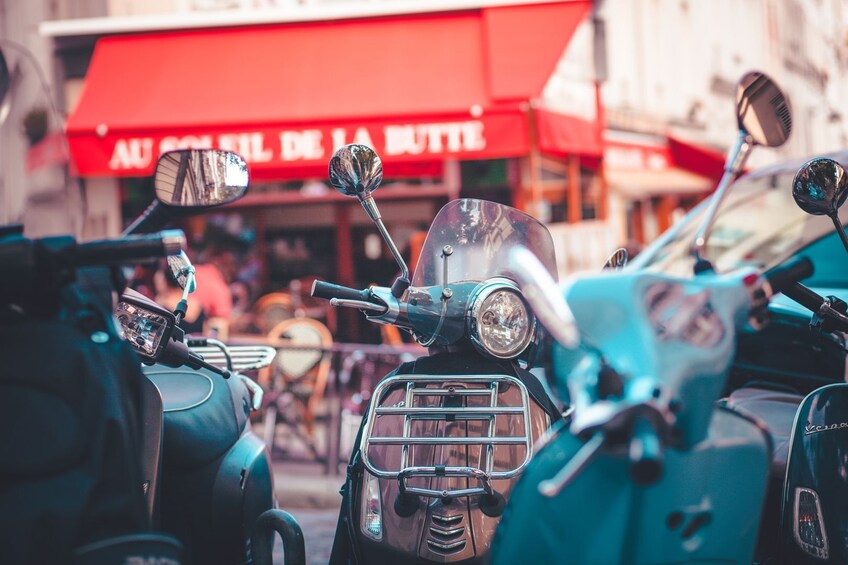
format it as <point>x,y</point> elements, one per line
<point>415,386</point>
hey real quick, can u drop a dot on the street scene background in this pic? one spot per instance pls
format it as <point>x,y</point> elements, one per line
<point>606,120</point>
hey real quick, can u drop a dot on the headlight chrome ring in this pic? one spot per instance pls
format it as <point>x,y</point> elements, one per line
<point>499,321</point>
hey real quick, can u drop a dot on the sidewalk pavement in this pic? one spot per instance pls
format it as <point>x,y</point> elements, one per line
<point>305,485</point>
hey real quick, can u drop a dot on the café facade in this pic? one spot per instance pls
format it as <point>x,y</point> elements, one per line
<point>451,100</point>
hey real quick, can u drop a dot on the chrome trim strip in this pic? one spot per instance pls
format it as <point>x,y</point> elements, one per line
<point>448,520</point>
<point>446,546</point>
<point>447,533</point>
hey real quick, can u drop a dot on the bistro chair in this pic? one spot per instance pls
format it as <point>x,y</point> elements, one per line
<point>299,378</point>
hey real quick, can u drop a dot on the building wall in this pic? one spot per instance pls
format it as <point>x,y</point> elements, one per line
<point>673,64</point>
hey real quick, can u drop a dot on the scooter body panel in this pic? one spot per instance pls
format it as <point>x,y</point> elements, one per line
<point>423,535</point>
<point>817,470</point>
<point>439,529</point>
<point>705,508</point>
<point>217,477</point>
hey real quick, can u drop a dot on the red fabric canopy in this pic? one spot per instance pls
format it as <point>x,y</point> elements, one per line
<point>698,159</point>
<point>418,88</point>
<point>559,134</point>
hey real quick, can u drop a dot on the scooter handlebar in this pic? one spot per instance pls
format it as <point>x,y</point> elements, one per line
<point>804,296</point>
<point>321,289</point>
<point>130,248</point>
<point>786,277</point>
<point>645,454</point>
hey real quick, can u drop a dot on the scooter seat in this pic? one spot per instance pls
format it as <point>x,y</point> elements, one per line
<point>203,414</point>
<point>777,410</point>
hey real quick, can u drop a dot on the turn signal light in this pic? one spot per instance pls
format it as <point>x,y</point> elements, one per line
<point>810,534</point>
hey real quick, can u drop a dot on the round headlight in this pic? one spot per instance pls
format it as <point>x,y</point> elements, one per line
<point>500,324</point>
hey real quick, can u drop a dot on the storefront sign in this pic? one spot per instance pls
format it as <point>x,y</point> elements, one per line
<point>270,148</point>
<point>635,157</point>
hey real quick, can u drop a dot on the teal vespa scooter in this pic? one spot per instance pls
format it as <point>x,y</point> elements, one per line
<point>651,469</point>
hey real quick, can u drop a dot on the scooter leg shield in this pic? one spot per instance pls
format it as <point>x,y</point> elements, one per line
<point>705,508</point>
<point>814,518</point>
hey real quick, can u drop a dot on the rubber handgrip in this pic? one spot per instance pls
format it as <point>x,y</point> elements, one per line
<point>129,249</point>
<point>321,289</point>
<point>786,275</point>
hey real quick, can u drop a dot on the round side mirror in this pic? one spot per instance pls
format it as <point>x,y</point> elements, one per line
<point>200,178</point>
<point>762,110</point>
<point>820,187</point>
<point>181,268</point>
<point>356,170</point>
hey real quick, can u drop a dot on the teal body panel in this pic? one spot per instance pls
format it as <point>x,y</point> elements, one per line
<point>705,508</point>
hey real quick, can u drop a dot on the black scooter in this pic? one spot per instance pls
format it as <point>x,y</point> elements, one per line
<point>445,436</point>
<point>171,450</point>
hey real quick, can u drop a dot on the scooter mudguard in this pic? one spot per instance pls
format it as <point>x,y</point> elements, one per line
<point>814,522</point>
<point>705,508</point>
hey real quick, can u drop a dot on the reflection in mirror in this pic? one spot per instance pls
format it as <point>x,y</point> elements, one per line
<point>762,110</point>
<point>200,177</point>
<point>182,269</point>
<point>356,170</point>
<point>617,260</point>
<point>820,187</point>
<point>5,88</point>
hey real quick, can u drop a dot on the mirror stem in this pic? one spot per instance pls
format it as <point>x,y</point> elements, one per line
<point>181,309</point>
<point>371,209</point>
<point>840,230</point>
<point>735,162</point>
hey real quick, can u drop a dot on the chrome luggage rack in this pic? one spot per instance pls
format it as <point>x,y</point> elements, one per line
<point>241,357</point>
<point>411,412</point>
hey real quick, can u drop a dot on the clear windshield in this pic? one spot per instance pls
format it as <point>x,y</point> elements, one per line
<point>481,234</point>
<point>757,225</point>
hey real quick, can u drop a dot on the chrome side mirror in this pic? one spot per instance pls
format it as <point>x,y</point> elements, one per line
<point>183,271</point>
<point>200,178</point>
<point>820,187</point>
<point>356,170</point>
<point>764,118</point>
<point>762,110</point>
<point>617,260</point>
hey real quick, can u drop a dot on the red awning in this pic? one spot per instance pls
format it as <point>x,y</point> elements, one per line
<point>560,134</point>
<point>639,166</point>
<point>417,88</point>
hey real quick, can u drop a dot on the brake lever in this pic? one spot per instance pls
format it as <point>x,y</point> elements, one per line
<point>358,304</point>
